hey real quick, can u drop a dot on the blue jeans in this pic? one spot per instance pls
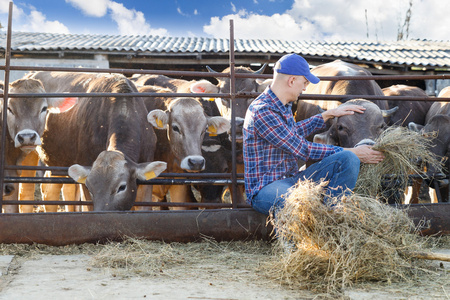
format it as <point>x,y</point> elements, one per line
<point>340,169</point>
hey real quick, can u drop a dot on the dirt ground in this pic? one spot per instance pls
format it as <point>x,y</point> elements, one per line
<point>155,270</point>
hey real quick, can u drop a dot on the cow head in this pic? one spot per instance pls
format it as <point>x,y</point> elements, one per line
<point>347,131</point>
<point>217,160</point>
<point>247,85</point>
<point>26,116</point>
<point>186,125</point>
<point>111,180</point>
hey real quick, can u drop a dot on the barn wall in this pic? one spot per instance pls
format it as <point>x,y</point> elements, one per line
<point>100,61</point>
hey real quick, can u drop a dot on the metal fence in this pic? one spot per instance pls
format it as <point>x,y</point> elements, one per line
<point>233,178</point>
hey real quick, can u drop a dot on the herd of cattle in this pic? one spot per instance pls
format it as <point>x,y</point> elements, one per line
<point>108,143</point>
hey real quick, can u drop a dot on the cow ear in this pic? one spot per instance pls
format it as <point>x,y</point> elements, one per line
<point>203,86</point>
<point>415,127</point>
<point>58,105</point>
<point>320,138</point>
<point>158,119</point>
<point>79,173</point>
<point>147,171</point>
<point>218,125</point>
<point>262,84</point>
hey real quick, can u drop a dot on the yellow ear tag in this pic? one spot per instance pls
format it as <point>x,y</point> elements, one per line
<point>211,99</point>
<point>150,175</point>
<point>212,130</point>
<point>159,123</point>
<point>82,180</point>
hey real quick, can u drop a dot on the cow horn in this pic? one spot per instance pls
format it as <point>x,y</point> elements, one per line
<point>389,112</point>
<point>261,70</point>
<point>210,70</point>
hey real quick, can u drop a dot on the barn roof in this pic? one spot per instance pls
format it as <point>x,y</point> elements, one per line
<point>421,53</point>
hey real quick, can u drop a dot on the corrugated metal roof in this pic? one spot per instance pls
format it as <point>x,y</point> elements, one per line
<point>412,52</point>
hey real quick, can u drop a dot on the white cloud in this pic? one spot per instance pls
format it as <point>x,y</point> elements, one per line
<point>384,18</point>
<point>339,19</point>
<point>4,9</point>
<point>94,8</point>
<point>254,26</point>
<point>37,22</point>
<point>233,7</point>
<point>129,21</point>
<point>181,12</point>
<point>132,22</point>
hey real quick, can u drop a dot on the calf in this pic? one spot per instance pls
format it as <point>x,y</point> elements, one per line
<point>181,125</point>
<point>105,141</point>
<point>26,121</point>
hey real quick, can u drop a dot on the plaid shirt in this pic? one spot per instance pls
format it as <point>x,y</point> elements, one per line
<point>273,142</point>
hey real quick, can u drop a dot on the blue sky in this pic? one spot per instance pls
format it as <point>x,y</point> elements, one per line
<point>262,19</point>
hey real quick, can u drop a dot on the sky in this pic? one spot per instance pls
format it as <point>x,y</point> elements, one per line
<point>379,20</point>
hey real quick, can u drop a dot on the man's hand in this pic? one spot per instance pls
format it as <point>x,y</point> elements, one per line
<point>342,110</point>
<point>367,155</point>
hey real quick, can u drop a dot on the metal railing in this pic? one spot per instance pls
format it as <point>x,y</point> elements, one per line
<point>233,179</point>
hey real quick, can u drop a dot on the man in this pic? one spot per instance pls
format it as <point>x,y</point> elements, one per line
<point>273,142</point>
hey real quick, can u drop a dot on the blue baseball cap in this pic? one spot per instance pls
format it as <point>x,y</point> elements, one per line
<point>294,64</point>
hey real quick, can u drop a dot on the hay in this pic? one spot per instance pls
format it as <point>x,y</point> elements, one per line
<point>135,256</point>
<point>341,243</point>
<point>402,149</point>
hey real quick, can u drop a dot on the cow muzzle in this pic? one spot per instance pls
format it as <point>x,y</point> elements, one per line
<point>193,163</point>
<point>369,142</point>
<point>27,140</point>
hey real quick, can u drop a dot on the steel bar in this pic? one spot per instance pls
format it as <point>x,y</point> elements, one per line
<point>240,94</point>
<point>171,226</point>
<point>157,181</point>
<point>136,204</point>
<point>219,74</point>
<point>233,117</point>
<point>435,217</point>
<point>60,229</point>
<point>5,102</point>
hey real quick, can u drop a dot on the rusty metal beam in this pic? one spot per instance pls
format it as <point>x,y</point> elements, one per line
<point>436,214</point>
<point>58,229</point>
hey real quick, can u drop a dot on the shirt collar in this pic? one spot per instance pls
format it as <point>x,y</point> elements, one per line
<point>277,101</point>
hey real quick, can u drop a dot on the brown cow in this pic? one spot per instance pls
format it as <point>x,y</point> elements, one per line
<point>26,121</point>
<point>408,111</point>
<point>308,108</point>
<point>181,125</point>
<point>106,142</point>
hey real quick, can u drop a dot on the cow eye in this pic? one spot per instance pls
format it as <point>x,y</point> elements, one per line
<point>10,111</point>
<point>121,188</point>
<point>176,128</point>
<point>340,127</point>
<point>44,109</point>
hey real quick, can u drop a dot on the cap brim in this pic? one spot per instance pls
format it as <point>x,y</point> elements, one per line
<point>312,78</point>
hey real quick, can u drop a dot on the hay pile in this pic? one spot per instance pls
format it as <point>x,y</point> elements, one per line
<point>403,149</point>
<point>336,245</point>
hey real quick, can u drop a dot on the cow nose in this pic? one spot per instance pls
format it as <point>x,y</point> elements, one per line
<point>196,163</point>
<point>27,138</point>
